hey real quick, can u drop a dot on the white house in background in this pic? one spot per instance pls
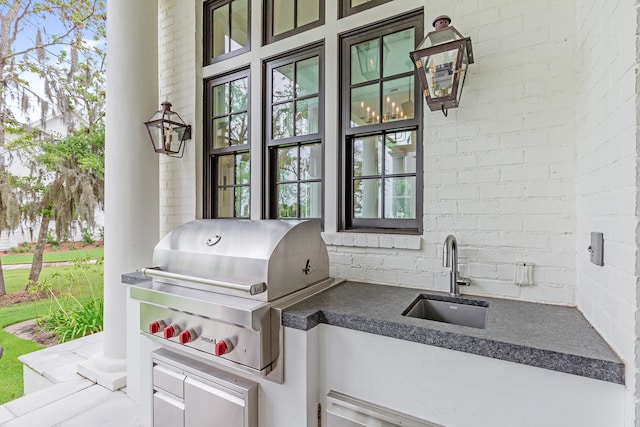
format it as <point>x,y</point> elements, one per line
<point>542,151</point>
<point>54,125</point>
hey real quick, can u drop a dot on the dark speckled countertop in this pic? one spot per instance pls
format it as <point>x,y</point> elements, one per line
<point>546,336</point>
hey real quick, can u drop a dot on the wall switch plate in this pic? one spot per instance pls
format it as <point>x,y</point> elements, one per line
<point>596,248</point>
<point>524,274</point>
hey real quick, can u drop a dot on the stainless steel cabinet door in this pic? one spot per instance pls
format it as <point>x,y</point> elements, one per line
<point>208,404</point>
<point>167,411</point>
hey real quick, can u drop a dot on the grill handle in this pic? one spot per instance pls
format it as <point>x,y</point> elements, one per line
<point>253,289</point>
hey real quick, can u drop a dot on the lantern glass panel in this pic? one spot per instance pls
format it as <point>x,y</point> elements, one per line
<point>171,136</point>
<point>155,130</point>
<point>440,71</point>
<point>439,37</point>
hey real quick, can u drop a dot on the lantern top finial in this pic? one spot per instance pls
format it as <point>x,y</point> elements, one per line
<point>166,106</point>
<point>441,22</point>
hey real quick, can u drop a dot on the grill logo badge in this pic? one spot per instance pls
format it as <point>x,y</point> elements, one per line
<point>213,240</point>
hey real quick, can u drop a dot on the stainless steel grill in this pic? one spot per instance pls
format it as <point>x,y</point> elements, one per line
<point>218,288</point>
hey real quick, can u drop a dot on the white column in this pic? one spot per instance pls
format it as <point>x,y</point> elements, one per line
<point>131,168</point>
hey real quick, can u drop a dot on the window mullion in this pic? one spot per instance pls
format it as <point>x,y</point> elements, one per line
<point>230,24</point>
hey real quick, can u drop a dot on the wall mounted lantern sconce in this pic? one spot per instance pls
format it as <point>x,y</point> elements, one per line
<point>441,59</point>
<point>168,131</point>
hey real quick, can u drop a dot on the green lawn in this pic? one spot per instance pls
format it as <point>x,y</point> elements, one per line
<point>81,281</point>
<point>11,386</point>
<point>58,256</point>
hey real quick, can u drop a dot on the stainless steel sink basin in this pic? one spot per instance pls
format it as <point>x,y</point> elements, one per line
<point>454,310</point>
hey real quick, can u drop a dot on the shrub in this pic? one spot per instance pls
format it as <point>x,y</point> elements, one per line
<point>72,317</point>
<point>87,237</point>
<point>51,239</point>
<point>75,318</point>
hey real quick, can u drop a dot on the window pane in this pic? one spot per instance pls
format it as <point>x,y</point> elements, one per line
<point>400,198</point>
<point>239,24</point>
<point>308,11</point>
<point>283,11</point>
<point>287,200</point>
<point>307,73</point>
<point>220,30</point>
<point>242,202</point>
<point>239,91</point>
<point>366,156</point>
<point>288,164</point>
<point>396,48</point>
<point>310,199</point>
<point>238,129</point>
<point>225,202</point>
<point>307,116</point>
<point>365,61</point>
<point>397,95</point>
<point>220,133</point>
<point>400,153</point>
<point>243,170</point>
<point>282,121</point>
<point>366,198</point>
<point>282,81</point>
<point>364,105</point>
<point>226,168</point>
<point>220,99</point>
<point>311,161</point>
<point>355,3</point>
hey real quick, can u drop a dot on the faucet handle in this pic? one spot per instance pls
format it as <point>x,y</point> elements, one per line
<point>463,281</point>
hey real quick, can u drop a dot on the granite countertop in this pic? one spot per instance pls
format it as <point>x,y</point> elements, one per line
<point>546,336</point>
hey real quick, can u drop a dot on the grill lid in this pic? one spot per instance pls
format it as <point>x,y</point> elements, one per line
<point>262,259</point>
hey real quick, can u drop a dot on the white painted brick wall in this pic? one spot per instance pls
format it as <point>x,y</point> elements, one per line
<point>177,56</point>
<point>541,152</point>
<point>500,170</point>
<point>607,178</point>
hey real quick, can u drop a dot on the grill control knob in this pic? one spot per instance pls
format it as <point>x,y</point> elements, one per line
<point>155,327</point>
<point>223,347</point>
<point>186,336</point>
<point>171,331</point>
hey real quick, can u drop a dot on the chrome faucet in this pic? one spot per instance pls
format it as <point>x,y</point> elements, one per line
<point>450,259</point>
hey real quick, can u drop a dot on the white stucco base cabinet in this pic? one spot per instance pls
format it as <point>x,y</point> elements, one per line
<point>440,386</point>
<point>452,388</point>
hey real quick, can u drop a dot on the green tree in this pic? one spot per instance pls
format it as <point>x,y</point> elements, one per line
<point>55,40</point>
<point>70,184</point>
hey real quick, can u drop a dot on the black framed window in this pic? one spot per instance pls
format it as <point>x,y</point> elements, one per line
<point>295,133</point>
<point>381,128</point>
<point>226,29</point>
<point>350,7</point>
<point>288,17</point>
<point>227,140</point>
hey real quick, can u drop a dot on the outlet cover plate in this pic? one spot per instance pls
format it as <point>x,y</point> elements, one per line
<point>596,249</point>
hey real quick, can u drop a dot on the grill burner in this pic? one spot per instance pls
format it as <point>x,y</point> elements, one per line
<point>218,288</point>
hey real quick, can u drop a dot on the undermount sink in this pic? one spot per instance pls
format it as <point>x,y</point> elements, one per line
<point>454,310</point>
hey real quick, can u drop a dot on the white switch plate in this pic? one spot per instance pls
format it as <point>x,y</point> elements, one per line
<point>524,274</point>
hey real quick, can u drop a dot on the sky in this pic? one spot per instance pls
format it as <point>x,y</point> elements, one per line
<point>26,38</point>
